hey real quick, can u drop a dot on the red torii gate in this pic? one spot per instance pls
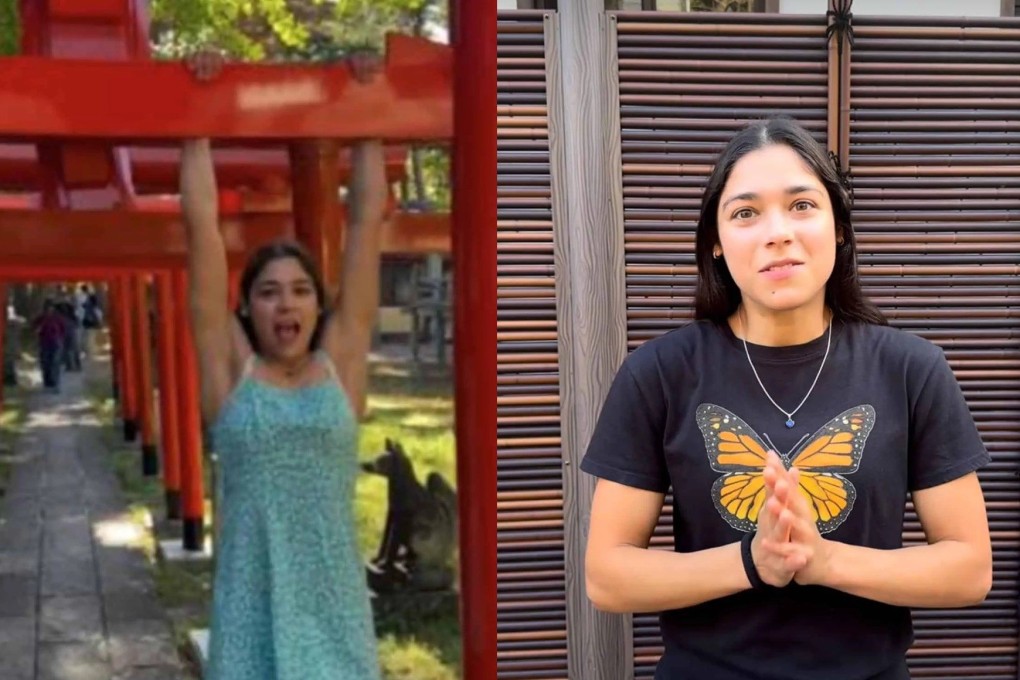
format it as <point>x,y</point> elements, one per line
<point>88,197</point>
<point>87,96</point>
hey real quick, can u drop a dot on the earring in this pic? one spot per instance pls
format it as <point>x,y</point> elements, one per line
<point>716,254</point>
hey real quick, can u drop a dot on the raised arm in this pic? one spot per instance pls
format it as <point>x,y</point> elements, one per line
<point>349,333</point>
<point>211,321</point>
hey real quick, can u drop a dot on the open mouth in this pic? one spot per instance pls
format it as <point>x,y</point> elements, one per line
<point>287,331</point>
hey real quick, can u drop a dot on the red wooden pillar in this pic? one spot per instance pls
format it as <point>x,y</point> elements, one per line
<point>126,350</point>
<point>169,424</point>
<point>3,339</point>
<point>315,176</point>
<point>142,339</point>
<point>112,323</point>
<point>473,32</point>
<point>188,413</point>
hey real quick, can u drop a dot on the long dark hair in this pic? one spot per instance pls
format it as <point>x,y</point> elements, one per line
<point>717,296</point>
<point>258,261</point>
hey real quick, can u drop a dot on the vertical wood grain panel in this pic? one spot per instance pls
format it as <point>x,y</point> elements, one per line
<point>588,244</point>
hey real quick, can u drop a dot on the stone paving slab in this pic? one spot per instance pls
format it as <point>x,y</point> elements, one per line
<point>66,618</point>
<point>76,601</point>
<point>18,595</point>
<point>22,508</point>
<point>132,606</point>
<point>20,535</point>
<point>74,661</point>
<point>19,562</point>
<point>145,643</point>
<point>69,577</point>
<point>17,648</point>
<point>124,571</point>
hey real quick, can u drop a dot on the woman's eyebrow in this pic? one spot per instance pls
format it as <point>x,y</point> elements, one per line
<point>746,196</point>
<point>801,189</point>
<point>751,196</point>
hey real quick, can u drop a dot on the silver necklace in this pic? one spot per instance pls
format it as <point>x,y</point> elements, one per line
<point>789,414</point>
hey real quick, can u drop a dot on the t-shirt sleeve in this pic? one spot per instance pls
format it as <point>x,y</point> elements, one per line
<point>944,440</point>
<point>626,446</point>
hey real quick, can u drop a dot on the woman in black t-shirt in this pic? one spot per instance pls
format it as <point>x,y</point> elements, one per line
<point>791,423</point>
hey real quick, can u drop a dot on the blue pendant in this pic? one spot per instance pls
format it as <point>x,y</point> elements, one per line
<point>790,423</point>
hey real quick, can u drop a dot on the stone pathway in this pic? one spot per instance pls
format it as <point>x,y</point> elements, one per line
<point>77,598</point>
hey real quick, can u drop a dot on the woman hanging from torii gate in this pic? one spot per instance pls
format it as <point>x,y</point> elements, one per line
<point>282,379</point>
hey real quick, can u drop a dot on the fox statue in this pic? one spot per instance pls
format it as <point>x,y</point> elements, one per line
<point>420,534</point>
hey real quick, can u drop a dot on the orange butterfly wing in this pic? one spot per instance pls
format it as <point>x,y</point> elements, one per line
<point>835,449</point>
<point>735,448</point>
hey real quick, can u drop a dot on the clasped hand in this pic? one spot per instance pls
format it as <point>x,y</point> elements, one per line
<point>787,546</point>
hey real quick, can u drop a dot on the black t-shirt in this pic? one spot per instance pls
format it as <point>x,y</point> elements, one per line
<point>886,417</point>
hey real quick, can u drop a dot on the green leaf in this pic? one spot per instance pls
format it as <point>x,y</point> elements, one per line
<point>10,35</point>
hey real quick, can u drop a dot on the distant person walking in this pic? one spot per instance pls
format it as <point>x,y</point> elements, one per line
<point>51,330</point>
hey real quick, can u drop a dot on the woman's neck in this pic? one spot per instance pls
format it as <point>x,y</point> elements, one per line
<point>289,367</point>
<point>780,329</point>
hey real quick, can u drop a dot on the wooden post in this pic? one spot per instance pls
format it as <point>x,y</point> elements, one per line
<point>833,113</point>
<point>128,357</point>
<point>188,413</point>
<point>584,137</point>
<point>142,336</point>
<point>169,424</point>
<point>116,356</point>
<point>844,104</point>
<point>316,203</point>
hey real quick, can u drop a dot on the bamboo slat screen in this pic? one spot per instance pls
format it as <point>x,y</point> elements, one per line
<point>934,151</point>
<point>688,82</point>
<point>935,159</point>
<point>531,615</point>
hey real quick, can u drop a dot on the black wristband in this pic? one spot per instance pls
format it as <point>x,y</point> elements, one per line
<point>748,560</point>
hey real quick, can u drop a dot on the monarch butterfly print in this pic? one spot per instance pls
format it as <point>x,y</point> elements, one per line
<point>822,459</point>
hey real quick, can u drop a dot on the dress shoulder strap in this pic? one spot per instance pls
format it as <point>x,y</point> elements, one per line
<point>327,361</point>
<point>249,365</point>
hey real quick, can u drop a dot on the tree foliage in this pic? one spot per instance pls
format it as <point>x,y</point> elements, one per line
<point>9,33</point>
<point>290,30</point>
<point>287,29</point>
<point>245,29</point>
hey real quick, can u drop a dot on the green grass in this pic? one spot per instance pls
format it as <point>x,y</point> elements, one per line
<point>419,638</point>
<point>418,413</point>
